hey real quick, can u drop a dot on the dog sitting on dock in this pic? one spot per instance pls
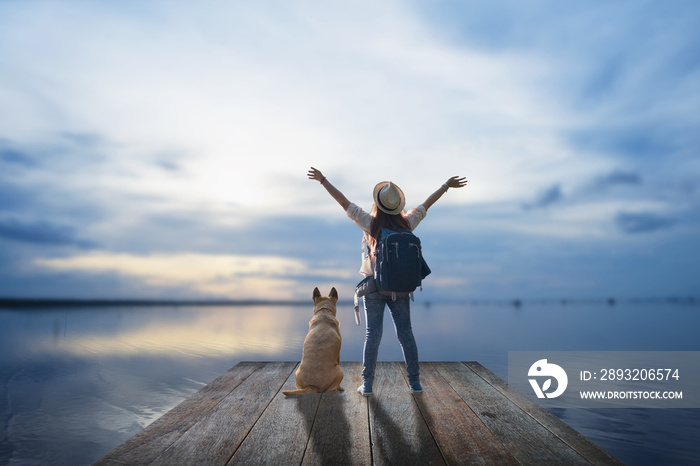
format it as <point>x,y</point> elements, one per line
<point>319,370</point>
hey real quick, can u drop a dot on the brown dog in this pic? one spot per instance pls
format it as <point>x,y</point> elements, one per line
<point>319,370</point>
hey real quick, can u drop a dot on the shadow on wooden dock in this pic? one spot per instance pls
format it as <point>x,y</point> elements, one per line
<point>466,415</point>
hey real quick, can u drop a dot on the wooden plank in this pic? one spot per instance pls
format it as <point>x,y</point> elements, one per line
<point>340,433</point>
<point>526,439</point>
<point>465,415</point>
<point>281,434</point>
<point>154,439</point>
<point>215,437</point>
<point>399,433</point>
<point>460,434</point>
<point>566,433</point>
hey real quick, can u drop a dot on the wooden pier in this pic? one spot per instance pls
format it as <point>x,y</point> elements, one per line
<point>466,415</point>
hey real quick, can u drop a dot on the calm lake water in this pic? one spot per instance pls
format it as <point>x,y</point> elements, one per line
<point>77,382</point>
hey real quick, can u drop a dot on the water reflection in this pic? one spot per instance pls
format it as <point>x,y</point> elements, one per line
<point>192,332</point>
<point>75,383</point>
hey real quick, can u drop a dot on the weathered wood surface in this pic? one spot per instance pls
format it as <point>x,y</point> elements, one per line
<point>340,431</point>
<point>566,433</point>
<point>462,436</point>
<point>528,441</point>
<point>466,415</point>
<point>399,432</point>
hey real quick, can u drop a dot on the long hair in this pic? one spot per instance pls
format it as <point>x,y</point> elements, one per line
<point>381,219</point>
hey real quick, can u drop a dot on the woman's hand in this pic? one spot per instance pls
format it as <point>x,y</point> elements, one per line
<point>453,182</point>
<point>457,182</point>
<point>332,190</point>
<point>315,174</point>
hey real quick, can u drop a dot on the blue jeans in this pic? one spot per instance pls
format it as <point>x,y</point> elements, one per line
<point>400,309</point>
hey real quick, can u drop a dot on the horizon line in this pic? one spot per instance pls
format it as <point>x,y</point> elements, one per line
<point>9,302</point>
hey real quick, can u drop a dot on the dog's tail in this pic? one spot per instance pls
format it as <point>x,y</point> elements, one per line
<point>300,391</point>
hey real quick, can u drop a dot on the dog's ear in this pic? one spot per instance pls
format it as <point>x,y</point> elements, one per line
<point>317,294</point>
<point>333,294</point>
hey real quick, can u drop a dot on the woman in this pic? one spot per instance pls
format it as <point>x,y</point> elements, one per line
<point>387,212</point>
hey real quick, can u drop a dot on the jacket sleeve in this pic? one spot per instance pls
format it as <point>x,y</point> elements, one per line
<point>361,218</point>
<point>415,215</point>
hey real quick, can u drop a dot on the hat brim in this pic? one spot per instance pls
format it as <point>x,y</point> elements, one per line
<point>395,211</point>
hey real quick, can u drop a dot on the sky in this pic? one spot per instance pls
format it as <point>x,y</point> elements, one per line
<point>159,150</point>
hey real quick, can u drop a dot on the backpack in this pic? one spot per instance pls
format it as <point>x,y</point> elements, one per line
<point>400,266</point>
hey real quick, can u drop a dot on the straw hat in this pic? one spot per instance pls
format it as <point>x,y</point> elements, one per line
<point>389,198</point>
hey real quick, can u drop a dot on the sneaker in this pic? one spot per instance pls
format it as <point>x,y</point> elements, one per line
<point>364,390</point>
<point>416,388</point>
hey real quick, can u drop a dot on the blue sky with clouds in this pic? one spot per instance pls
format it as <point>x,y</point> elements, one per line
<point>160,149</point>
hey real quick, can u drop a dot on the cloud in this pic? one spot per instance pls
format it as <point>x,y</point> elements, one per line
<point>180,129</point>
<point>635,141</point>
<point>168,165</point>
<point>235,277</point>
<point>617,184</point>
<point>14,156</point>
<point>89,140</point>
<point>546,198</point>
<point>43,232</point>
<point>14,198</point>
<point>643,222</point>
<point>315,90</point>
<point>618,178</point>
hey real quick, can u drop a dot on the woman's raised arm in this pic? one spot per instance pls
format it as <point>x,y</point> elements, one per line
<point>315,174</point>
<point>453,182</point>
